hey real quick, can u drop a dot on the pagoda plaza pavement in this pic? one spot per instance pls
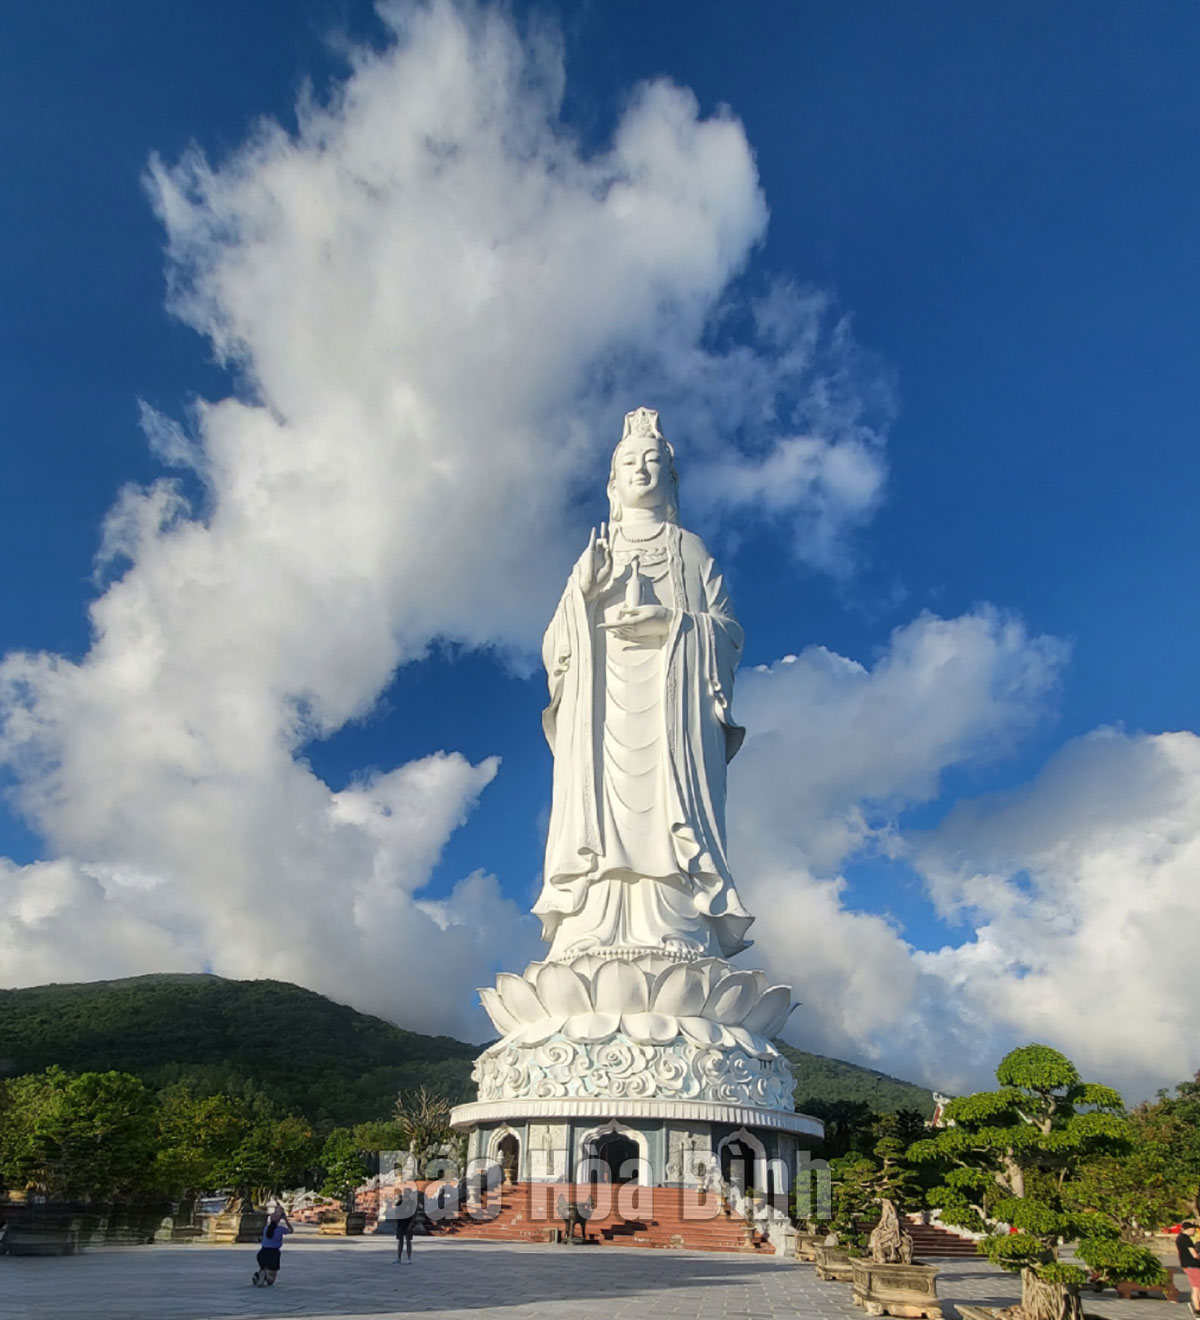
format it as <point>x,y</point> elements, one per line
<point>343,1278</point>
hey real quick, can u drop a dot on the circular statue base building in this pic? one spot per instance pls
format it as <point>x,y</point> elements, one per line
<point>649,1069</point>
<point>637,1052</point>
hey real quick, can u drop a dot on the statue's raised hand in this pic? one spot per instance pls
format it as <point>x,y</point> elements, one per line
<point>595,566</point>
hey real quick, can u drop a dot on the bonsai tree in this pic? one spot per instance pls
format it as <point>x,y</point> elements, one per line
<point>874,1189</point>
<point>897,1189</point>
<point>1016,1157</point>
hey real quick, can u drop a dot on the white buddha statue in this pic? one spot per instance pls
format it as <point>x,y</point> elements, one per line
<point>640,656</point>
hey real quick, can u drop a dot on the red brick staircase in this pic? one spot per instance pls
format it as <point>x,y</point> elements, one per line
<point>625,1216</point>
<point>931,1242</point>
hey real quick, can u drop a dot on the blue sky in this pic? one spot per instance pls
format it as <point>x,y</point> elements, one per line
<point>995,210</point>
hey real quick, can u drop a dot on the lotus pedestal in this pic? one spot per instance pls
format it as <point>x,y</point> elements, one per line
<point>638,1067</point>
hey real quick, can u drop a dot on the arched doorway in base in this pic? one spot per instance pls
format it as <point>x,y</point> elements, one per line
<point>619,1155</point>
<point>613,1154</point>
<point>505,1150</point>
<point>743,1160</point>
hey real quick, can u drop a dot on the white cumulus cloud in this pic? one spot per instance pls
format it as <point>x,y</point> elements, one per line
<point>1072,896</point>
<point>1082,889</point>
<point>436,305</point>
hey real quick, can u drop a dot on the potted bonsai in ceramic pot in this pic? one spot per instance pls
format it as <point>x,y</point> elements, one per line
<point>886,1278</point>
<point>887,1281</point>
<point>1018,1158</point>
<point>854,1178</point>
<point>831,1254</point>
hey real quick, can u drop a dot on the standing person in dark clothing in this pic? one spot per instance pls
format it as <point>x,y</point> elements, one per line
<point>407,1209</point>
<point>272,1243</point>
<point>1189,1259</point>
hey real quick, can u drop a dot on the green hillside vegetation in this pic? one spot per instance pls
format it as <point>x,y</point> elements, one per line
<point>821,1082</point>
<point>305,1053</point>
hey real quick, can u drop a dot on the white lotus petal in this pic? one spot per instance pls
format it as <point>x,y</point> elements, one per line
<point>700,1030</point>
<point>762,1016</point>
<point>586,966</point>
<point>519,998</point>
<point>591,1026</point>
<point>779,1021</point>
<point>620,988</point>
<point>711,969</point>
<point>740,1036</point>
<point>561,990</point>
<point>530,972</point>
<point>649,1028</point>
<point>537,1032</point>
<point>731,998</point>
<point>680,991</point>
<point>494,1007</point>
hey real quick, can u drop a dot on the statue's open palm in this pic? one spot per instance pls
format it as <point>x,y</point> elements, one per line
<point>595,566</point>
<point>641,623</point>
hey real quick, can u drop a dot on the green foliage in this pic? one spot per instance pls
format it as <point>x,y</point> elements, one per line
<point>1147,1188</point>
<point>196,1136</point>
<point>310,1056</point>
<point>276,1151</point>
<point>1036,1069</point>
<point>69,1137</point>
<point>862,1182</point>
<point>1113,1259</point>
<point>849,1126</point>
<point>101,1136</point>
<point>854,1210</point>
<point>1026,1155</point>
<point>307,1054</point>
<point>343,1163</point>
<point>382,1134</point>
<point>1172,1124</point>
<point>831,1089</point>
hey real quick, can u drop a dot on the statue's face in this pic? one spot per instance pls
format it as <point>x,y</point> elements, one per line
<point>642,471</point>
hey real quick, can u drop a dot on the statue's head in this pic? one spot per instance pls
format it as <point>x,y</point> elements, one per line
<point>643,474</point>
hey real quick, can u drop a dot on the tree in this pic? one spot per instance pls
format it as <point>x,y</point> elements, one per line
<point>1172,1123</point>
<point>344,1165</point>
<point>1144,1190</point>
<point>276,1150</point>
<point>89,1136</point>
<point>382,1134</point>
<point>862,1183</point>
<point>424,1121</point>
<point>197,1137</point>
<point>850,1126</point>
<point>1015,1157</point>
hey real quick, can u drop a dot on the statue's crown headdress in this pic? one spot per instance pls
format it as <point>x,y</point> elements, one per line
<point>642,424</point>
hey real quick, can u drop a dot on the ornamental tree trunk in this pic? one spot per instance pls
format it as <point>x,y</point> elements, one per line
<point>1048,1301</point>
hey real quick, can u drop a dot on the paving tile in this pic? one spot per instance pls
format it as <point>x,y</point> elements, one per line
<point>358,1279</point>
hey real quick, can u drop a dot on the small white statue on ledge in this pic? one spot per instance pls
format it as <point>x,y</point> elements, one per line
<point>640,656</point>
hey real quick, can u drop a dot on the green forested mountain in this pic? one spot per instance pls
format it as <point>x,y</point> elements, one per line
<point>308,1054</point>
<point>311,1056</point>
<point>821,1082</point>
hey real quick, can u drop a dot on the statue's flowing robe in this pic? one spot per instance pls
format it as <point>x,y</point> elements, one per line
<point>636,852</point>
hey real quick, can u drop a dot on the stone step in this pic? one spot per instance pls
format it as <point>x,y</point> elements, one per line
<point>931,1241</point>
<point>666,1217</point>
